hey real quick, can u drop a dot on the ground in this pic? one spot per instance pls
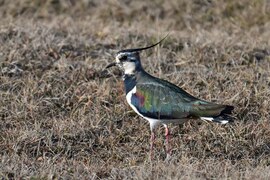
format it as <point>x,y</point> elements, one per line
<point>62,116</point>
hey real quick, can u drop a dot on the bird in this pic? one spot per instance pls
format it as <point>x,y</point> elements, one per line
<point>161,102</point>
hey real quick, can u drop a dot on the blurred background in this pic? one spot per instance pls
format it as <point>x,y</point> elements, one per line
<point>62,116</point>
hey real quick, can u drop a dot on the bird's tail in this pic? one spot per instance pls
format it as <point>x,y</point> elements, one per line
<point>223,118</point>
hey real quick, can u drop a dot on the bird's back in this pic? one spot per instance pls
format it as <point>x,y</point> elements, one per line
<point>160,99</point>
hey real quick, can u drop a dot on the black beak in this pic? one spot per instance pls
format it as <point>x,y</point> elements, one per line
<point>111,65</point>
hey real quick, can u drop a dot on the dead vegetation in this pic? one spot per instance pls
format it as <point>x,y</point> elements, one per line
<point>60,118</point>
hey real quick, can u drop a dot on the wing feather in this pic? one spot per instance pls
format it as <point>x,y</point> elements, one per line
<point>159,99</point>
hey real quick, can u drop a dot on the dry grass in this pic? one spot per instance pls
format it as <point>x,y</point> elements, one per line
<point>61,119</point>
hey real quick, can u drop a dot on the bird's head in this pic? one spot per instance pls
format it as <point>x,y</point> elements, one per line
<point>128,60</point>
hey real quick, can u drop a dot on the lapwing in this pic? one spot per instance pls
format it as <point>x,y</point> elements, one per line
<point>161,102</point>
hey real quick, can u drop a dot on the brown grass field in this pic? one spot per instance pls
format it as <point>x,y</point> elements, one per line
<point>63,117</point>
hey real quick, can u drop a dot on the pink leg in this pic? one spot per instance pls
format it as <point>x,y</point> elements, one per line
<point>152,141</point>
<point>167,135</point>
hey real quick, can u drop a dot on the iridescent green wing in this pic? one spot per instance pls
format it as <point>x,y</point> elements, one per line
<point>160,102</point>
<point>160,99</point>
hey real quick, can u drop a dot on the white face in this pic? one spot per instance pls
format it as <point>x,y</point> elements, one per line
<point>129,67</point>
<point>126,61</point>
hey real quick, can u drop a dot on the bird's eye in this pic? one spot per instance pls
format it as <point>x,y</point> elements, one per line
<point>123,58</point>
